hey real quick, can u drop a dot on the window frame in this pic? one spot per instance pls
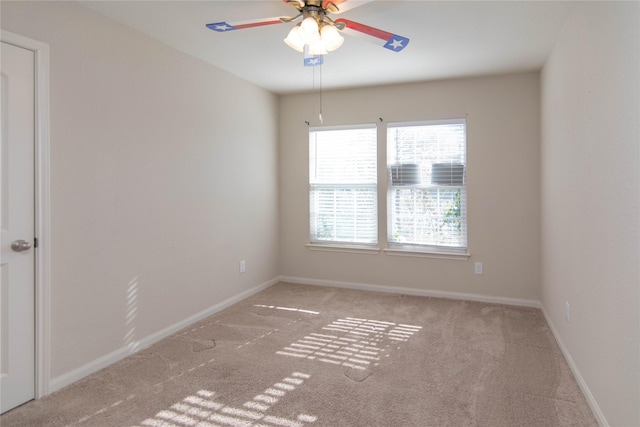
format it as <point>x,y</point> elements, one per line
<point>384,187</point>
<point>344,245</point>
<point>419,249</point>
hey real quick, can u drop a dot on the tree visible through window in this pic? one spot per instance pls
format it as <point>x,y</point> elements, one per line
<point>427,192</point>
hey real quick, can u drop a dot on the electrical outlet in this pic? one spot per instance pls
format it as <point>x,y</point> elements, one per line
<point>478,268</point>
<point>243,266</point>
<point>567,311</point>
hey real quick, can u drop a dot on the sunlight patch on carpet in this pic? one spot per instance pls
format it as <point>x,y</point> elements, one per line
<point>298,310</point>
<point>354,343</point>
<point>203,411</point>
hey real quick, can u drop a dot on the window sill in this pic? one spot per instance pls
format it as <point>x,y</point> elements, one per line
<point>422,253</point>
<point>353,249</point>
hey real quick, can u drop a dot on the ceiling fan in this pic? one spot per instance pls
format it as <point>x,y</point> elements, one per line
<point>317,34</point>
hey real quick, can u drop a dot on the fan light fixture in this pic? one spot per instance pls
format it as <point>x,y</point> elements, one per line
<point>316,34</point>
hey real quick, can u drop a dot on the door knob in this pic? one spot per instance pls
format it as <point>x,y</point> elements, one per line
<point>20,245</point>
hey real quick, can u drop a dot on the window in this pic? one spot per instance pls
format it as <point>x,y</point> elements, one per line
<point>427,193</point>
<point>343,184</point>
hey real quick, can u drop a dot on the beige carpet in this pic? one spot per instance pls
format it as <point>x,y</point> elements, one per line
<point>306,356</point>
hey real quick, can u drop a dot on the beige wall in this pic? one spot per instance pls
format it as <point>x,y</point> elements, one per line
<point>502,116</point>
<point>590,201</point>
<point>165,174</point>
<point>160,182</point>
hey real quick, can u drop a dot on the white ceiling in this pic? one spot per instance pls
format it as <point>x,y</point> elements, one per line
<point>449,39</point>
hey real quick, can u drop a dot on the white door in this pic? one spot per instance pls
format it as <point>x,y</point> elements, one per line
<point>17,224</point>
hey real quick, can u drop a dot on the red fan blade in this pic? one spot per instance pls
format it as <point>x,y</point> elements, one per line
<point>223,27</point>
<point>383,38</point>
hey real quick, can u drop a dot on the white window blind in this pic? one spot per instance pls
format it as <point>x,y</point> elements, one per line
<point>427,184</point>
<point>343,184</point>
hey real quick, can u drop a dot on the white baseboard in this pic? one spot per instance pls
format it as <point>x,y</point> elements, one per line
<point>70,377</point>
<point>413,291</point>
<point>597,412</point>
<point>115,356</point>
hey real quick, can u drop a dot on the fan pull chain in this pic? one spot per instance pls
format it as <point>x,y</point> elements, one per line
<point>320,89</point>
<point>320,115</point>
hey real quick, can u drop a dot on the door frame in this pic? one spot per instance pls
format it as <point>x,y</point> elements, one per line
<point>42,210</point>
